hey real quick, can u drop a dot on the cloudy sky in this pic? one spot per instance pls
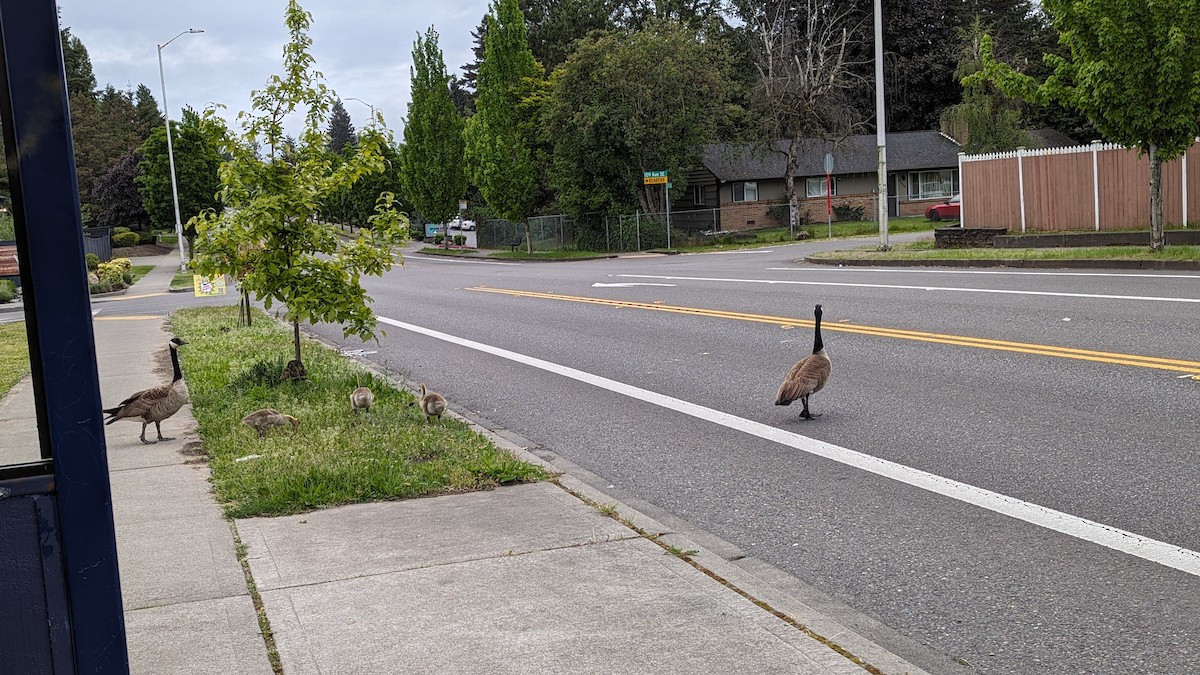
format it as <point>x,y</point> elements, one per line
<point>363,47</point>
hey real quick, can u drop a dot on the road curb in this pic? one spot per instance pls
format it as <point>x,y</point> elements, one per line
<point>1091,263</point>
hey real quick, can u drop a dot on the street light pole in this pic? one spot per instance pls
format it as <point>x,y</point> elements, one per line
<point>162,79</point>
<point>351,98</point>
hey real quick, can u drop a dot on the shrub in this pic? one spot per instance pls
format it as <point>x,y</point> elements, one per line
<point>112,274</point>
<point>7,290</point>
<point>127,278</point>
<point>124,263</point>
<point>460,239</point>
<point>93,261</point>
<point>125,239</point>
<point>8,229</point>
<point>438,238</point>
<point>121,230</point>
<point>146,237</point>
<point>100,287</point>
<point>848,212</point>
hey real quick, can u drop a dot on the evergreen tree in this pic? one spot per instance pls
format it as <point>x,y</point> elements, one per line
<point>340,130</point>
<point>498,153</point>
<point>433,136</point>
<point>555,25</point>
<point>78,65</point>
<point>148,116</point>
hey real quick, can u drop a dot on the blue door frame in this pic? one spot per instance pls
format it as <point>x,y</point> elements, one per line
<point>60,588</point>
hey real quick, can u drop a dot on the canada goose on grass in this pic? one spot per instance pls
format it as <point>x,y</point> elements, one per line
<point>156,403</point>
<point>433,404</point>
<point>809,374</point>
<point>361,399</point>
<point>267,418</point>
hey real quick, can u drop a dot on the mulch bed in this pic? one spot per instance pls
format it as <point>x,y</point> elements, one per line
<point>141,251</point>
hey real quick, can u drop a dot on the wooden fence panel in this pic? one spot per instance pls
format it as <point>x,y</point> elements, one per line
<point>990,194</point>
<point>1193,186</point>
<point>1054,186</point>
<point>1124,190</point>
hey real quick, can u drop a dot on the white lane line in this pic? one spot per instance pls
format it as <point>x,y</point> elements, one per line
<point>1165,554</point>
<point>911,270</point>
<point>599,284</point>
<point>948,289</point>
<point>457,261</point>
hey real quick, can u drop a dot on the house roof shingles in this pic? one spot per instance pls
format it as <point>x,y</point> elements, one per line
<point>906,151</point>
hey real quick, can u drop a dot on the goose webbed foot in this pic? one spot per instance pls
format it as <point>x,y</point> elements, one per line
<point>160,436</point>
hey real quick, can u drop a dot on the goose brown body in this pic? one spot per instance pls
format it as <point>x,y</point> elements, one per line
<point>156,403</point>
<point>267,418</point>
<point>433,404</point>
<point>809,374</point>
<point>362,399</point>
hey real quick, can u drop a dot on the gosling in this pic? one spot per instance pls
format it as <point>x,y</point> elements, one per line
<point>362,399</point>
<point>433,404</point>
<point>262,420</point>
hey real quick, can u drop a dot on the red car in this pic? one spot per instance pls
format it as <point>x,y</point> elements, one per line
<point>948,210</point>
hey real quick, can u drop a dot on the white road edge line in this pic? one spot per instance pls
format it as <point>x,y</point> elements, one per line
<point>460,261</point>
<point>915,288</point>
<point>1168,555</point>
<point>911,270</point>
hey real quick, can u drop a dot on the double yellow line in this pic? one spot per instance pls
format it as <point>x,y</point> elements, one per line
<point>1175,365</point>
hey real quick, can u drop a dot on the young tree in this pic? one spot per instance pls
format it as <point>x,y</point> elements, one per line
<point>432,169</point>
<point>806,79</point>
<point>498,153</point>
<point>197,166</point>
<point>341,131</point>
<point>1131,69</point>
<point>118,202</point>
<point>629,102</point>
<point>987,120</point>
<point>265,233</point>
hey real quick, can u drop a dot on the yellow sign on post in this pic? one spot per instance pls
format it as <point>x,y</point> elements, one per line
<point>654,177</point>
<point>205,286</point>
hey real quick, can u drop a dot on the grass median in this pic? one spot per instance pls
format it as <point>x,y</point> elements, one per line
<point>924,250</point>
<point>14,355</point>
<point>335,456</point>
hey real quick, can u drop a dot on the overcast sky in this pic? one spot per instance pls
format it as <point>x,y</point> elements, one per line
<point>363,47</point>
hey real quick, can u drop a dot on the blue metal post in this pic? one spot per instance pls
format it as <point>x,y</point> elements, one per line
<point>45,199</point>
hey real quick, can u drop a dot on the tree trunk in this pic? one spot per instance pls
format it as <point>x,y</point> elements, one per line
<point>528,238</point>
<point>1157,236</point>
<point>789,185</point>
<point>296,333</point>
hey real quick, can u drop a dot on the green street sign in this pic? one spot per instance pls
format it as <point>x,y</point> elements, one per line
<point>654,177</point>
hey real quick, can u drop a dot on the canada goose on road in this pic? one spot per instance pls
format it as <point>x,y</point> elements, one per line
<point>433,404</point>
<point>361,399</point>
<point>809,374</point>
<point>262,420</point>
<point>156,403</point>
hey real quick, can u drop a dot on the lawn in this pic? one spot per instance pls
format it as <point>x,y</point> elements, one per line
<point>924,250</point>
<point>14,355</point>
<point>334,457</point>
<point>140,271</point>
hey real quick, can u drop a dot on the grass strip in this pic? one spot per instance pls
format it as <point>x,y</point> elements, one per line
<point>14,355</point>
<point>335,456</point>
<point>924,250</point>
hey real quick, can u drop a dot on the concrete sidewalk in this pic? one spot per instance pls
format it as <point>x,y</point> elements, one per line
<point>527,578</point>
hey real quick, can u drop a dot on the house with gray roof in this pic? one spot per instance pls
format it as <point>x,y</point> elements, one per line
<point>745,180</point>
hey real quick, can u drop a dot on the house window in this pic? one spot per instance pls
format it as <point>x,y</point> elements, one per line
<point>815,187</point>
<point>698,195</point>
<point>931,184</point>
<point>746,191</point>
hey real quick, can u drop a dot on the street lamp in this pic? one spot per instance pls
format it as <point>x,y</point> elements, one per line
<point>351,98</point>
<point>170,151</point>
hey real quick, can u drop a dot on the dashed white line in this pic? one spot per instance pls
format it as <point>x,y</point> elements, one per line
<point>1169,555</point>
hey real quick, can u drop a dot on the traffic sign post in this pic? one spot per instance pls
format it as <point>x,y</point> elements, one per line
<point>660,178</point>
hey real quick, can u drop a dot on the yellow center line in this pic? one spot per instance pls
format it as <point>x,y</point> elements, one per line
<point>1176,365</point>
<point>131,297</point>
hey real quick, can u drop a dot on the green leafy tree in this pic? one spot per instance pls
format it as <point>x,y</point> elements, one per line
<point>498,153</point>
<point>555,25</point>
<point>987,120</point>
<point>628,102</point>
<point>1131,68</point>
<point>432,169</point>
<point>341,131</point>
<point>196,147</point>
<point>265,233</point>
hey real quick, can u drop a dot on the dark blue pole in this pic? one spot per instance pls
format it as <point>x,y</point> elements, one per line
<point>45,199</point>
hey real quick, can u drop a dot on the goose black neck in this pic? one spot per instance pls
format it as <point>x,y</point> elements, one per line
<point>178,374</point>
<point>818,344</point>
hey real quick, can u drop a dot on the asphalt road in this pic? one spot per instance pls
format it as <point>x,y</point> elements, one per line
<point>1006,551</point>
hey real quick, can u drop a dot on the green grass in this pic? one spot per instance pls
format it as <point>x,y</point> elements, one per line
<point>140,271</point>
<point>783,235</point>
<point>924,250</point>
<point>14,355</point>
<point>182,280</point>
<point>334,457</point>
